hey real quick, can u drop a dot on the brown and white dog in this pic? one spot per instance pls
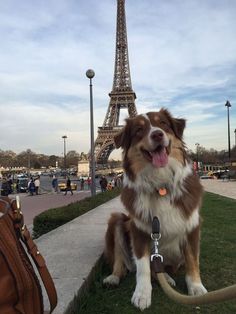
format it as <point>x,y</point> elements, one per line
<point>158,181</point>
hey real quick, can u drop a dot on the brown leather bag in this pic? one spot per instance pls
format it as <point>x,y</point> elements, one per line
<point>20,290</point>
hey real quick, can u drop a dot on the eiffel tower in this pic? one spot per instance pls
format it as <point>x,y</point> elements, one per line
<point>121,97</point>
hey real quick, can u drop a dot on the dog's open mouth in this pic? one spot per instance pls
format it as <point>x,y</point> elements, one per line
<point>158,157</point>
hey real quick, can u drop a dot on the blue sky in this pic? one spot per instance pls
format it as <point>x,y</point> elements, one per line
<point>182,56</point>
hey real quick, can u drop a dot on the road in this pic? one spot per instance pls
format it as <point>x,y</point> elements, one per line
<point>36,204</point>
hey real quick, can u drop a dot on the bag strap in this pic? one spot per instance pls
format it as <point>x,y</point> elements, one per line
<point>41,266</point>
<point>24,234</point>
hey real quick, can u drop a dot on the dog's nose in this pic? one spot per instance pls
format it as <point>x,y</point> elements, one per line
<point>157,136</point>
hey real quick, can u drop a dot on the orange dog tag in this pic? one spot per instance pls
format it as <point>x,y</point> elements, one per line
<point>162,191</point>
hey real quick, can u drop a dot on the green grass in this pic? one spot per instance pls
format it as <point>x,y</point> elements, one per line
<point>55,217</point>
<point>218,269</point>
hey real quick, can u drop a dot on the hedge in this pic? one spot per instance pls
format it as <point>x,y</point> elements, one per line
<point>55,217</point>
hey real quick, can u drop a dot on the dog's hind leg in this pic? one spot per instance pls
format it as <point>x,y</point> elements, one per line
<point>116,249</point>
<point>119,269</point>
<point>191,254</point>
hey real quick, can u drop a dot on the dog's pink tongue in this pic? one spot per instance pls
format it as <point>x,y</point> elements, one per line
<point>160,159</point>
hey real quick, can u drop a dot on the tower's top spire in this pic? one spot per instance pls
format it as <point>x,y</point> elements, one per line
<point>121,97</point>
<point>122,78</point>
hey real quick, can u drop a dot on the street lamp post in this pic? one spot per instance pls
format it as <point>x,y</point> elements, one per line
<point>228,105</point>
<point>235,137</point>
<point>64,138</point>
<point>29,163</point>
<point>197,154</point>
<point>90,74</point>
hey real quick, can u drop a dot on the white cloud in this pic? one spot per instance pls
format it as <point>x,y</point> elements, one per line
<point>182,56</point>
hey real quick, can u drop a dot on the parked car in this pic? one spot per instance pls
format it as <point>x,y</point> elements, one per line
<point>73,173</point>
<point>206,177</point>
<point>22,175</point>
<point>22,185</point>
<point>62,186</point>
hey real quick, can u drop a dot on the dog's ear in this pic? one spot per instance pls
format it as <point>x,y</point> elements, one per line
<point>122,139</point>
<point>118,139</point>
<point>179,126</point>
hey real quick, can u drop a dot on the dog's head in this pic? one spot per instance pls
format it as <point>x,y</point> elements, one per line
<point>150,139</point>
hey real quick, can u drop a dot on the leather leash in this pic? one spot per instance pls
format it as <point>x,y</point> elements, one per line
<point>157,266</point>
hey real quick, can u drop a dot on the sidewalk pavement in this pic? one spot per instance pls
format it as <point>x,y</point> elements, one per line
<point>34,205</point>
<point>224,188</point>
<point>72,250</point>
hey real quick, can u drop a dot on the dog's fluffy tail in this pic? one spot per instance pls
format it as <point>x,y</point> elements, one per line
<point>118,241</point>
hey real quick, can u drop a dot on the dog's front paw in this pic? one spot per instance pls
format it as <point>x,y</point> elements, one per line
<point>111,280</point>
<point>142,297</point>
<point>195,288</point>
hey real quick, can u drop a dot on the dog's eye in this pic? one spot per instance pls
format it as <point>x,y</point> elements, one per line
<point>139,131</point>
<point>164,125</point>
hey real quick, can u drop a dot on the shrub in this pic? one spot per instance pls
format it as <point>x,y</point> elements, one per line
<point>55,217</point>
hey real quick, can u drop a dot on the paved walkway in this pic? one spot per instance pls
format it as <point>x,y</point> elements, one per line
<point>34,205</point>
<point>72,250</point>
<point>224,188</point>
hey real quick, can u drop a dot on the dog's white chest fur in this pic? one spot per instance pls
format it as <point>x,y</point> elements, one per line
<point>173,228</point>
<point>173,223</point>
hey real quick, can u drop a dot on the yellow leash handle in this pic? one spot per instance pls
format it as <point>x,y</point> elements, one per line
<point>216,296</point>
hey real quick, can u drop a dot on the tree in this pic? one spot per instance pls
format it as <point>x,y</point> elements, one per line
<point>52,160</point>
<point>72,158</point>
<point>7,158</point>
<point>233,153</point>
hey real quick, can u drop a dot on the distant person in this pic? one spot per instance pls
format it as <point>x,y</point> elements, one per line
<point>113,183</point>
<point>118,181</point>
<point>5,189</point>
<point>17,186</point>
<point>37,185</point>
<point>31,187</point>
<point>89,183</point>
<point>55,184</point>
<point>103,183</point>
<point>109,186</point>
<point>68,186</point>
<point>82,184</point>
<point>10,183</point>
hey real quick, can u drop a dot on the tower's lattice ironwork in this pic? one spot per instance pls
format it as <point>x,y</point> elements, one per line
<point>122,96</point>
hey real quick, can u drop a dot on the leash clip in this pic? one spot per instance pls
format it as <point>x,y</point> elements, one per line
<point>155,236</point>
